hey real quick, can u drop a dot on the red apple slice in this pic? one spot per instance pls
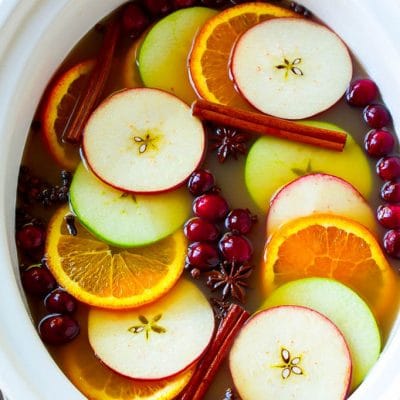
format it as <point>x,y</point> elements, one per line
<point>144,141</point>
<point>290,352</point>
<point>318,193</point>
<point>290,67</point>
<point>155,341</point>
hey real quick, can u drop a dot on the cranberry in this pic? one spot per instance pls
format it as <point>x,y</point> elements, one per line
<point>390,192</point>
<point>389,216</point>
<point>391,242</point>
<point>198,230</point>
<point>58,329</point>
<point>158,7</point>
<point>30,237</point>
<point>240,220</point>
<point>212,207</point>
<point>202,255</point>
<point>235,247</point>
<point>215,3</point>
<point>200,182</point>
<point>378,142</point>
<point>134,19</point>
<point>388,168</point>
<point>361,92</point>
<point>376,115</point>
<point>183,3</point>
<point>60,301</point>
<point>38,281</point>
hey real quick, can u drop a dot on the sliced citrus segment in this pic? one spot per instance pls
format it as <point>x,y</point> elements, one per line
<point>98,382</point>
<point>327,245</point>
<point>100,275</point>
<point>211,52</point>
<point>59,104</point>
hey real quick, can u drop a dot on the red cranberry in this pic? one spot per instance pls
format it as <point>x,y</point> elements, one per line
<point>390,192</point>
<point>183,3</point>
<point>388,168</point>
<point>198,230</point>
<point>58,329</point>
<point>158,7</point>
<point>134,19</point>
<point>378,142</point>
<point>212,207</point>
<point>240,220</point>
<point>38,281</point>
<point>202,255</point>
<point>30,237</point>
<point>391,242</point>
<point>376,115</point>
<point>60,301</point>
<point>361,92</point>
<point>235,248</point>
<point>389,216</point>
<point>200,182</point>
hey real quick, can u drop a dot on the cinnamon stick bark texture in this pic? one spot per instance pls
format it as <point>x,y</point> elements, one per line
<point>95,85</point>
<point>268,125</point>
<point>215,354</point>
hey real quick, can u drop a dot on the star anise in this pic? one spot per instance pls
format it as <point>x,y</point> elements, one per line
<point>231,280</point>
<point>228,142</point>
<point>220,307</point>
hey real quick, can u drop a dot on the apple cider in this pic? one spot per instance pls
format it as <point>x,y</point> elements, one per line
<point>202,181</point>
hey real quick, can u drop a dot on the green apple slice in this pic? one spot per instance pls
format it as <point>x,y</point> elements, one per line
<point>163,55</point>
<point>122,219</point>
<point>273,162</point>
<point>344,308</point>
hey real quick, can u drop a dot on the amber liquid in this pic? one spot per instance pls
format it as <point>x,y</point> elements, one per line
<point>230,178</point>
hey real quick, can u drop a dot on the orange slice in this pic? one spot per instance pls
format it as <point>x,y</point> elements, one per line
<point>58,106</point>
<point>97,382</point>
<point>100,275</point>
<point>209,59</point>
<point>327,245</point>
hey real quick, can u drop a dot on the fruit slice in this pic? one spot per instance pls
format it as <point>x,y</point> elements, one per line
<point>273,162</point>
<point>96,381</point>
<point>318,193</point>
<point>327,245</point>
<point>163,55</point>
<point>126,220</point>
<point>291,68</point>
<point>143,141</point>
<point>155,341</point>
<point>277,356</point>
<point>209,59</point>
<point>103,276</point>
<point>130,71</point>
<point>337,302</point>
<point>57,109</point>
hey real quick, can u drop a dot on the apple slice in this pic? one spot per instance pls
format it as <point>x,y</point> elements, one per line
<point>337,302</point>
<point>274,162</point>
<point>290,352</point>
<point>155,341</point>
<point>291,68</point>
<point>318,193</point>
<point>122,219</point>
<point>143,141</point>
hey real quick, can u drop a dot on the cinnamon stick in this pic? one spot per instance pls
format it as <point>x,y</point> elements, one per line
<point>95,85</point>
<point>268,125</point>
<point>215,354</point>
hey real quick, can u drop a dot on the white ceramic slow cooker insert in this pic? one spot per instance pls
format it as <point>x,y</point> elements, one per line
<point>34,39</point>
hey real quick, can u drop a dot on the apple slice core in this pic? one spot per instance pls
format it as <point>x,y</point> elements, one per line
<point>291,67</point>
<point>154,341</point>
<point>144,141</point>
<point>290,352</point>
